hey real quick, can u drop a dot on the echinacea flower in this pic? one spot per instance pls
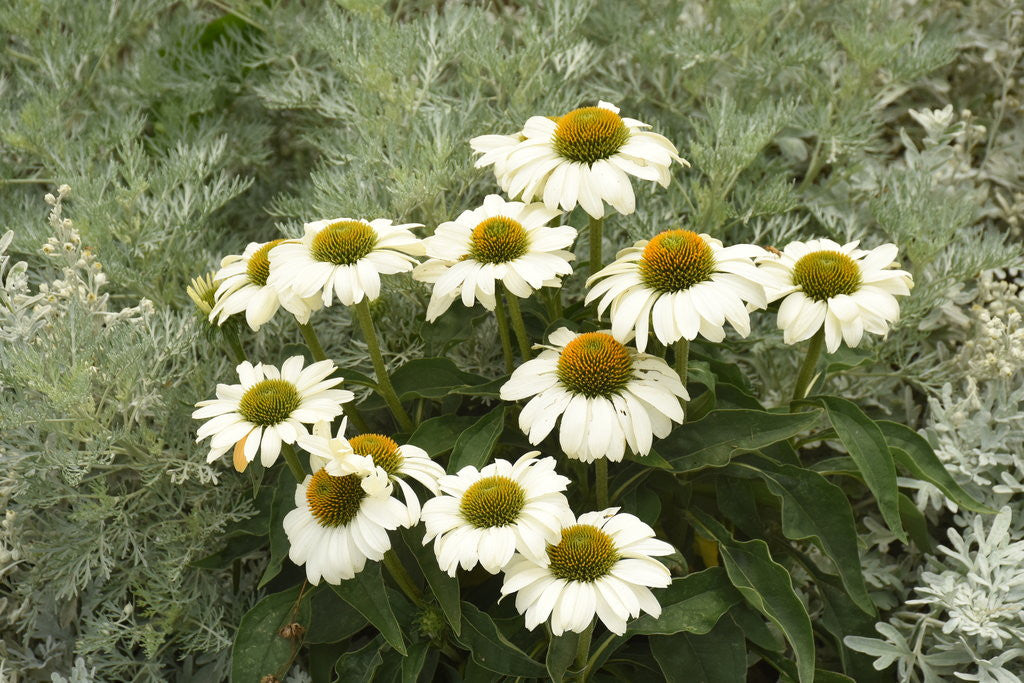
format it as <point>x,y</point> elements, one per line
<point>585,157</point>
<point>681,283</point>
<point>202,290</point>
<point>341,522</point>
<point>507,242</point>
<point>400,462</point>
<point>602,564</point>
<point>344,258</point>
<point>243,287</point>
<point>485,516</point>
<point>268,407</point>
<point>846,290</point>
<point>605,396</point>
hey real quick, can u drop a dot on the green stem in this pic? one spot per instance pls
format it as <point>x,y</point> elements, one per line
<point>518,325</point>
<point>601,482</point>
<point>384,386</point>
<point>402,578</point>
<point>317,351</point>
<point>231,336</point>
<point>682,359</point>
<point>596,237</point>
<point>506,337</point>
<point>294,465</point>
<point>583,650</point>
<point>642,474</point>
<point>312,341</point>
<point>592,662</point>
<point>803,380</point>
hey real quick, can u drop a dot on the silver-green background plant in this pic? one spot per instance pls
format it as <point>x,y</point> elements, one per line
<point>186,129</point>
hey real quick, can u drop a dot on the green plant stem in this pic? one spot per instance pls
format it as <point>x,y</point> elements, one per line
<point>384,386</point>
<point>294,465</point>
<point>516,315</point>
<point>583,650</point>
<point>596,238</point>
<point>682,347</point>
<point>622,489</point>
<point>231,336</point>
<point>803,380</point>
<point>592,662</point>
<point>402,578</point>
<point>317,351</point>
<point>503,331</point>
<point>601,482</point>
<point>312,341</point>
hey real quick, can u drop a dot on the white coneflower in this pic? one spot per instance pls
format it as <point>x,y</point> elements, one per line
<point>846,290</point>
<point>603,564</point>
<point>341,522</point>
<point>485,516</point>
<point>684,283</point>
<point>608,396</point>
<point>202,290</point>
<point>344,257</point>
<point>507,242</point>
<point>585,157</point>
<point>243,287</point>
<point>399,462</point>
<point>341,456</point>
<point>268,407</point>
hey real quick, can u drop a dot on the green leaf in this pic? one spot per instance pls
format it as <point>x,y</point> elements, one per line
<point>332,619</point>
<point>455,325</point>
<point>491,649</point>
<point>445,588</point>
<point>652,459</point>
<point>916,525</point>
<point>913,452</point>
<point>284,502</point>
<point>560,656</point>
<point>366,593</point>
<point>693,603</point>
<point>413,664</point>
<point>754,626</point>
<point>723,434</point>
<point>814,508</point>
<point>361,664</point>
<point>236,546</point>
<point>475,445</point>
<point>431,378</point>
<point>719,656</point>
<point>438,434</point>
<point>865,443</point>
<point>767,587</point>
<point>259,649</point>
<point>737,500</point>
<point>842,618</point>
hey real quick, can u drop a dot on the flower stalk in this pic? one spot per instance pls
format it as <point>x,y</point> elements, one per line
<point>601,482</point>
<point>313,344</point>
<point>596,239</point>
<point>516,315</point>
<point>503,331</point>
<point>312,341</point>
<point>583,650</point>
<point>806,375</point>
<point>402,578</point>
<point>682,359</point>
<point>234,343</point>
<point>384,386</point>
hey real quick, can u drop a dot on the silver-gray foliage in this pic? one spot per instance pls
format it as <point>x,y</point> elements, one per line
<point>186,129</point>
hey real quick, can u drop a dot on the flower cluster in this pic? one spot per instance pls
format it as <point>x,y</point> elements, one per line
<point>608,396</point>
